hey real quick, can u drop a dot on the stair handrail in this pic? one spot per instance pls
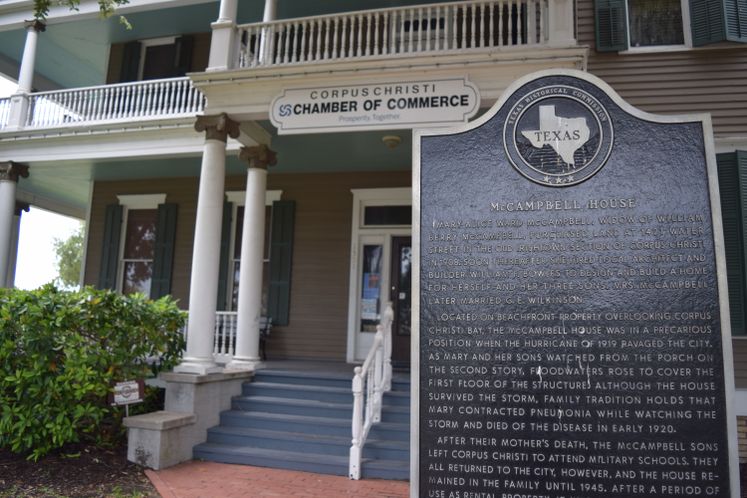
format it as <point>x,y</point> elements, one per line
<point>373,378</point>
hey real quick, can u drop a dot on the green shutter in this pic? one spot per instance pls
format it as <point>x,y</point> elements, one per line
<point>732,177</point>
<point>130,62</point>
<point>735,12</point>
<point>184,47</point>
<point>225,257</point>
<point>163,257</point>
<point>611,25</point>
<point>713,21</point>
<point>281,255</point>
<point>110,247</point>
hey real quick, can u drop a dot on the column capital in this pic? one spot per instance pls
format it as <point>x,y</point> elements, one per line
<point>36,25</point>
<point>11,172</point>
<point>21,207</point>
<point>259,156</point>
<point>217,127</point>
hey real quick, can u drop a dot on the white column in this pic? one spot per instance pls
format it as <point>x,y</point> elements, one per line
<point>561,21</point>
<point>223,42</point>
<point>203,289</point>
<point>270,13</point>
<point>9,174</point>
<point>20,207</point>
<point>20,100</point>
<point>249,308</point>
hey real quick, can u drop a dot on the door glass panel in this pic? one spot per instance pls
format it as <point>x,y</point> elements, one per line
<point>137,276</point>
<point>404,294</point>
<point>371,287</point>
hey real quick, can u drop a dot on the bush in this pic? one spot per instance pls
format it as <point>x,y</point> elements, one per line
<point>61,352</point>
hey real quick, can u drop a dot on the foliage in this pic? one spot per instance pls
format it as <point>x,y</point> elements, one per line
<point>69,254</point>
<point>60,353</point>
<point>106,8</point>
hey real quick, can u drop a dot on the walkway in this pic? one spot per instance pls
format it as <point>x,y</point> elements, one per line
<point>218,480</point>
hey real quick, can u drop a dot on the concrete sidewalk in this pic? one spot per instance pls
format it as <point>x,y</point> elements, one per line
<point>219,480</point>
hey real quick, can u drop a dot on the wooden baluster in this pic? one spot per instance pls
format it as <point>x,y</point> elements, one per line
<point>543,21</point>
<point>359,46</point>
<point>531,22</point>
<point>411,44</point>
<point>428,39</point>
<point>327,30</point>
<point>335,34</point>
<point>376,46</point>
<point>511,23</point>
<point>437,28</point>
<point>473,36</point>
<point>318,41</point>
<point>385,49</point>
<point>420,30</point>
<point>491,30</point>
<point>357,426</point>
<point>481,24</point>
<point>367,49</point>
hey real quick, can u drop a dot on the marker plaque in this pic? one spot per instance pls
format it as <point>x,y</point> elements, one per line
<point>572,322</point>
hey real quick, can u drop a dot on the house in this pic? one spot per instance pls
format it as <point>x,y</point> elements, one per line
<point>217,136</point>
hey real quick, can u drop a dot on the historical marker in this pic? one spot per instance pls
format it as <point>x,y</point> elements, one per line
<point>572,315</point>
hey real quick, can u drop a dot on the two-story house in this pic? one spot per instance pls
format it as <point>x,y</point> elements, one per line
<point>176,141</point>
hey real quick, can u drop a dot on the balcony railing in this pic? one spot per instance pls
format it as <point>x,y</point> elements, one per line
<point>405,31</point>
<point>141,100</point>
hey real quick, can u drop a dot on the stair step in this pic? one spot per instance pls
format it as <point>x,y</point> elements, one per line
<point>277,421</point>
<point>386,450</point>
<point>285,440</point>
<point>397,398</point>
<point>386,469</point>
<point>295,406</point>
<point>298,391</point>
<point>305,378</point>
<point>262,457</point>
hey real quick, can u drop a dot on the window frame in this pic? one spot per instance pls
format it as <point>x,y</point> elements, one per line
<point>687,43</point>
<point>237,198</point>
<point>151,42</point>
<point>134,202</point>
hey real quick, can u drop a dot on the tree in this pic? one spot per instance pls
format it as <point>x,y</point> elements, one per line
<point>69,254</point>
<point>106,7</point>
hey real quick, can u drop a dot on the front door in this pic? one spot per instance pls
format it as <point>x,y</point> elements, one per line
<point>401,277</point>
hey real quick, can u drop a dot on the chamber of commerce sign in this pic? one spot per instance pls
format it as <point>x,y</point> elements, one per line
<point>396,105</point>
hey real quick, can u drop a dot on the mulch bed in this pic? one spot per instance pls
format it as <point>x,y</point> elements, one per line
<point>79,471</point>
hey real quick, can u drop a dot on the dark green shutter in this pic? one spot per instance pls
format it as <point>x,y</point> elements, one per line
<point>225,257</point>
<point>163,257</point>
<point>713,21</point>
<point>184,48</point>
<point>110,247</point>
<point>130,62</point>
<point>732,177</point>
<point>281,256</point>
<point>611,23</point>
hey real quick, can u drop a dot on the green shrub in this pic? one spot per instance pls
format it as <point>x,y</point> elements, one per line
<point>60,353</point>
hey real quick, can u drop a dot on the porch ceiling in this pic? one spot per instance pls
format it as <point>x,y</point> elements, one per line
<point>63,185</point>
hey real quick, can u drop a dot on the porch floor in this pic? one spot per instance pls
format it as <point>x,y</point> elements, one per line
<point>213,480</point>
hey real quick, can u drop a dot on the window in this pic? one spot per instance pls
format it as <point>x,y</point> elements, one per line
<point>138,245</point>
<point>156,58</point>
<point>278,253</point>
<point>637,24</point>
<point>655,23</point>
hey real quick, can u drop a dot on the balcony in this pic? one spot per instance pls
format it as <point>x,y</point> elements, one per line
<point>490,42</point>
<point>109,104</point>
<point>448,28</point>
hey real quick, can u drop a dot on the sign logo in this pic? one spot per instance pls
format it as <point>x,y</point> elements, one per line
<point>377,106</point>
<point>558,135</point>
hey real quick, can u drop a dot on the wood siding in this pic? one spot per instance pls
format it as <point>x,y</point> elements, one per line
<point>703,80</point>
<point>321,250</point>
<point>739,347</point>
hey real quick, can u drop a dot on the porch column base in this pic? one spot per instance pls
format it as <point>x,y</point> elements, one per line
<point>245,364</point>
<point>197,366</point>
<point>193,405</point>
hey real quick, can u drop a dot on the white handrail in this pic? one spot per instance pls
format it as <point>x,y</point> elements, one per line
<point>401,31</point>
<point>373,378</point>
<point>163,98</point>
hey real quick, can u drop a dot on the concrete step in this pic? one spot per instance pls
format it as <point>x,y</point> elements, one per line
<point>309,407</point>
<point>397,398</point>
<point>285,440</point>
<point>276,421</point>
<point>305,378</point>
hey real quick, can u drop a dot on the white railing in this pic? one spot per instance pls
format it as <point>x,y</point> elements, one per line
<point>224,337</point>
<point>120,102</point>
<point>370,382</point>
<point>4,112</point>
<point>423,29</point>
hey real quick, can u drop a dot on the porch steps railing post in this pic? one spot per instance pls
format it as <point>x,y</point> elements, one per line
<point>369,385</point>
